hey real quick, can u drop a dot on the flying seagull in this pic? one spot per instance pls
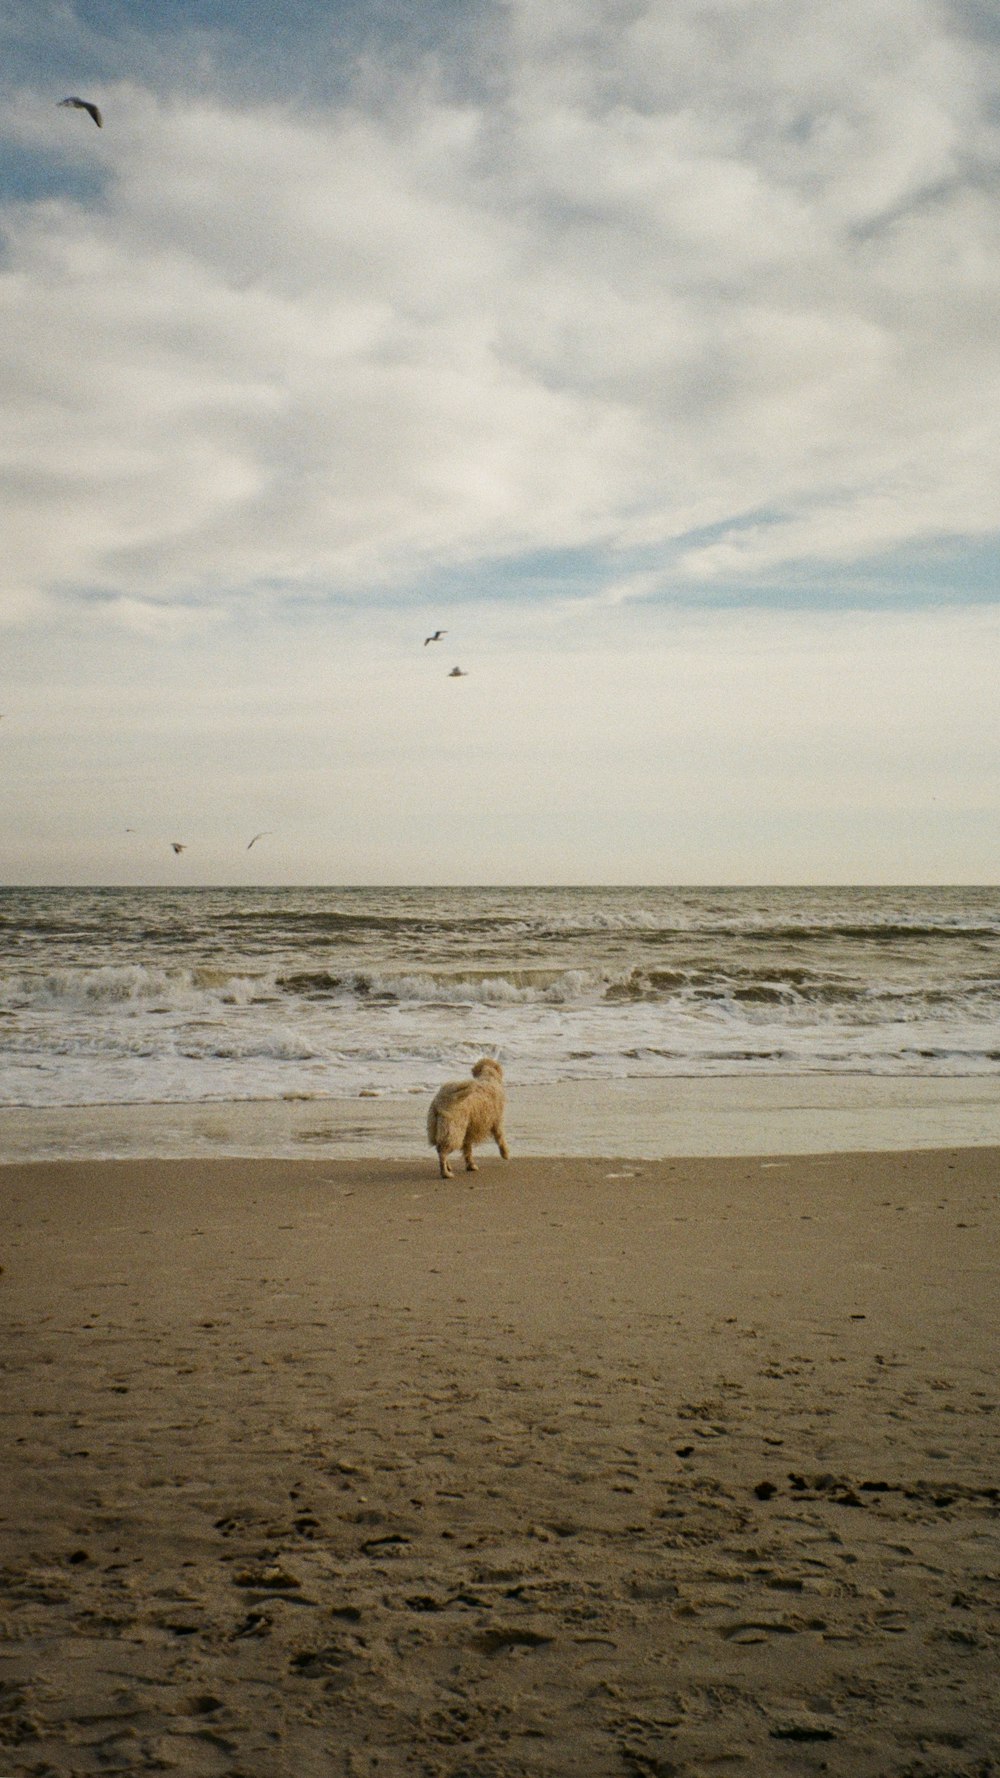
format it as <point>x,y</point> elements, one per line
<point>177,846</point>
<point>436,637</point>
<point>457,673</point>
<point>86,105</point>
<point>258,836</point>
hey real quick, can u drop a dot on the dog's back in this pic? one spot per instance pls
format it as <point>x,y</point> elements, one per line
<point>466,1111</point>
<point>446,1103</point>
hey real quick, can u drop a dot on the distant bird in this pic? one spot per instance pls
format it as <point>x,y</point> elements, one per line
<point>457,673</point>
<point>177,846</point>
<point>436,637</point>
<point>258,836</point>
<point>86,105</point>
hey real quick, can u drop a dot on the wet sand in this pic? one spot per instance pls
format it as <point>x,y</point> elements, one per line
<point>579,1467</point>
<point>645,1117</point>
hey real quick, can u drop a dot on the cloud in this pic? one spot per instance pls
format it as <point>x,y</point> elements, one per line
<point>710,283</point>
<point>288,374</point>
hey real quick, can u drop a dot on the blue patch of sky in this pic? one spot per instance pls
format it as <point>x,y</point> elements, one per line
<point>304,50</point>
<point>261,19</point>
<point>938,571</point>
<point>30,178</point>
<point>949,571</point>
<point>559,572</point>
<point>979,18</point>
<point>916,577</point>
<point>946,573</point>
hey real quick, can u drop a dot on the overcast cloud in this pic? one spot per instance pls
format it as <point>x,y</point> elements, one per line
<point>572,327</point>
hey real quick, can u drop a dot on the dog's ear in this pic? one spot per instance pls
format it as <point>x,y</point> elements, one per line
<point>488,1065</point>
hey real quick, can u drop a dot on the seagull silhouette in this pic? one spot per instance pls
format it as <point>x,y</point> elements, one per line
<point>457,673</point>
<point>436,637</point>
<point>258,836</point>
<point>86,105</point>
<point>177,846</point>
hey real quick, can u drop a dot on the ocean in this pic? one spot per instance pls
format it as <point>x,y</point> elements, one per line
<point>114,997</point>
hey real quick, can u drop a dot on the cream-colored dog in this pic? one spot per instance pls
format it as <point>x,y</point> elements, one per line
<point>466,1111</point>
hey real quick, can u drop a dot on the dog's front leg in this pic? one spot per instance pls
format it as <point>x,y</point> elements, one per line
<point>498,1137</point>
<point>470,1165</point>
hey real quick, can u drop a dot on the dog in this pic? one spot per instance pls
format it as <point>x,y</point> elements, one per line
<point>466,1111</point>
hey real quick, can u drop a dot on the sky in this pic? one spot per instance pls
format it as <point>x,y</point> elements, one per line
<point>648,348</point>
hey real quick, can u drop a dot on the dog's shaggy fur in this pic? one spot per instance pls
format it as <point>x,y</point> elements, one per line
<point>466,1111</point>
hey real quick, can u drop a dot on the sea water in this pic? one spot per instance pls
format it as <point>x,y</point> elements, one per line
<point>116,997</point>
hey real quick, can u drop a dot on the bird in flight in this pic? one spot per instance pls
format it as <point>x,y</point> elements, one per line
<point>436,637</point>
<point>176,844</point>
<point>258,836</point>
<point>458,673</point>
<point>85,105</point>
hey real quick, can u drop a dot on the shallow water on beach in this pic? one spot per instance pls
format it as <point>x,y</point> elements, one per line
<point>634,1120</point>
<point>189,996</point>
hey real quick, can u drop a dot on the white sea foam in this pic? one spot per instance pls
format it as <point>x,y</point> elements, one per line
<point>145,996</point>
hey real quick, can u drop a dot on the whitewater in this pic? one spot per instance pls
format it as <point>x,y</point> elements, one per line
<point>147,996</point>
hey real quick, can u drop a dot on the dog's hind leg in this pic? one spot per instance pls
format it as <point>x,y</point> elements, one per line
<point>470,1165</point>
<point>442,1155</point>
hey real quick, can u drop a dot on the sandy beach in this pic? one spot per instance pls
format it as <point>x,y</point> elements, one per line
<point>574,1467</point>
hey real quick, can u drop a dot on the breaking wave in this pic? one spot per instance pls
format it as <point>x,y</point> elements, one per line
<point>156,994</point>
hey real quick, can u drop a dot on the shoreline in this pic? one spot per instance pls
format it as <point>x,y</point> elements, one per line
<point>642,1118</point>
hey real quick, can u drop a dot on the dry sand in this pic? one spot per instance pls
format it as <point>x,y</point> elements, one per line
<point>582,1468</point>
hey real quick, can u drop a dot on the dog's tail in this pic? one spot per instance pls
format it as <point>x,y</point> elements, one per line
<point>435,1126</point>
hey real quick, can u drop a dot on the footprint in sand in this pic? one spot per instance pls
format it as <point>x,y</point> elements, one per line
<point>802,1725</point>
<point>270,1579</point>
<point>331,1662</point>
<point>497,1641</point>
